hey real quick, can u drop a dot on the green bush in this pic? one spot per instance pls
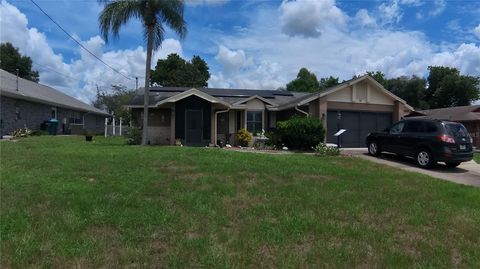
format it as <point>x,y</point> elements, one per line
<point>244,137</point>
<point>303,133</point>
<point>134,136</point>
<point>323,150</point>
<point>273,139</point>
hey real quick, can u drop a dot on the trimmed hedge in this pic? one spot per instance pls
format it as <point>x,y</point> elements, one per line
<point>303,133</point>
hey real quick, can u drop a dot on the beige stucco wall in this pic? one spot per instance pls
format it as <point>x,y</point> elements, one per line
<point>344,95</point>
<point>255,104</point>
<point>362,92</point>
<point>376,96</point>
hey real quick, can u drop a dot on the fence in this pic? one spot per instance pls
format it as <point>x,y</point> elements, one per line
<point>116,128</point>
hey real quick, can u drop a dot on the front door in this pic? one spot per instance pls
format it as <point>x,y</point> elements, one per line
<point>193,127</point>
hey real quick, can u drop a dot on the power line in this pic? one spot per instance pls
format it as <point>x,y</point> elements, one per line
<point>53,70</point>
<point>76,41</point>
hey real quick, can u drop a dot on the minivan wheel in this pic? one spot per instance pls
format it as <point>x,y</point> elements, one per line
<point>374,149</point>
<point>452,164</point>
<point>424,158</point>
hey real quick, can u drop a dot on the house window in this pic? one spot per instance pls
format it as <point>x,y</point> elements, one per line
<point>254,121</point>
<point>53,114</point>
<point>76,118</point>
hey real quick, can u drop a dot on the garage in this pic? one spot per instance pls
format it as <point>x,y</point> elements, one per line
<point>357,123</point>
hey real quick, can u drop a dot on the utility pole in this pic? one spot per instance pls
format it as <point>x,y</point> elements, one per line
<point>17,78</point>
<point>136,83</point>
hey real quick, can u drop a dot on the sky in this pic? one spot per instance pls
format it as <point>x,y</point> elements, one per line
<point>252,44</point>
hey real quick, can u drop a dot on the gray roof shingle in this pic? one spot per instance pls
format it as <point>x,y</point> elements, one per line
<point>230,96</point>
<point>36,92</point>
<point>458,113</point>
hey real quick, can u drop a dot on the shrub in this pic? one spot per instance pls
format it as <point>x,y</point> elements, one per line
<point>302,133</point>
<point>244,137</point>
<point>134,136</point>
<point>22,132</point>
<point>324,150</point>
<point>273,139</point>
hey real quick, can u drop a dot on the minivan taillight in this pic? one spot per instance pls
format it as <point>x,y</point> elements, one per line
<point>447,139</point>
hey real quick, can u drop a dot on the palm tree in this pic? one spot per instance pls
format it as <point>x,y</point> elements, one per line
<point>153,14</point>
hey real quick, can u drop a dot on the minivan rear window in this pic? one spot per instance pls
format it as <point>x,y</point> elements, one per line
<point>456,130</point>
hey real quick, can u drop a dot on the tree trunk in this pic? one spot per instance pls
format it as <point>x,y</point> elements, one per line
<point>147,84</point>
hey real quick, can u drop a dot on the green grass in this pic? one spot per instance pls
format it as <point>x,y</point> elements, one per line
<point>66,203</point>
<point>476,157</point>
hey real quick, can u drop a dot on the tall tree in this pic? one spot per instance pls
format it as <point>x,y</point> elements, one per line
<point>176,72</point>
<point>435,77</point>
<point>11,60</point>
<point>201,70</point>
<point>328,82</point>
<point>305,82</point>
<point>379,77</point>
<point>114,101</point>
<point>412,90</point>
<point>447,88</point>
<point>153,14</point>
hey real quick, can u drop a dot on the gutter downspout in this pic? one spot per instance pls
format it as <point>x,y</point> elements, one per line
<point>215,125</point>
<point>301,111</point>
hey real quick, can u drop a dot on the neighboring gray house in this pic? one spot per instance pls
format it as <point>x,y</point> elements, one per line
<point>202,116</point>
<point>31,104</point>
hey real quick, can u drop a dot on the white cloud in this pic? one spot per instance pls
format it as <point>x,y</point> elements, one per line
<point>439,7</point>
<point>308,18</point>
<point>339,52</point>
<point>476,31</point>
<point>80,77</point>
<point>232,61</point>
<point>415,3</point>
<point>390,12</point>
<point>364,19</point>
<point>32,43</point>
<point>206,2</point>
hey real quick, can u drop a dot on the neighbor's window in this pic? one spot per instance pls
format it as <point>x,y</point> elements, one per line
<point>75,118</point>
<point>254,121</point>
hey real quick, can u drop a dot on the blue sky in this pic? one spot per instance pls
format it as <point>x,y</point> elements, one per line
<point>253,44</point>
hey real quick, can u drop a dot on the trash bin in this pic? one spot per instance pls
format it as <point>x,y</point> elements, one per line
<point>52,130</point>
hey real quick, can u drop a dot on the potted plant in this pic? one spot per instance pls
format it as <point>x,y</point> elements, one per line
<point>88,136</point>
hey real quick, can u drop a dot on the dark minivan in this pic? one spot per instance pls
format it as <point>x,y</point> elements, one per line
<point>427,140</point>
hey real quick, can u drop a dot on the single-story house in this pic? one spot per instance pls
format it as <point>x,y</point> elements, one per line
<point>25,103</point>
<point>469,116</point>
<point>203,116</point>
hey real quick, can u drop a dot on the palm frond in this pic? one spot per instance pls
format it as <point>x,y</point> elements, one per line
<point>116,14</point>
<point>152,13</point>
<point>170,12</point>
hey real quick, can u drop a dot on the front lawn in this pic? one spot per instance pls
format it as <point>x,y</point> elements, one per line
<point>476,157</point>
<point>66,203</point>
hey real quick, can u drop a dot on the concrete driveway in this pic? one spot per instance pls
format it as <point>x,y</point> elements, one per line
<point>466,173</point>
